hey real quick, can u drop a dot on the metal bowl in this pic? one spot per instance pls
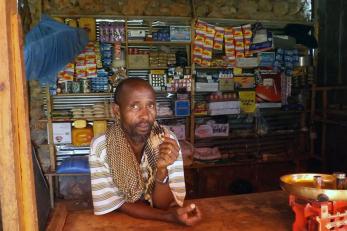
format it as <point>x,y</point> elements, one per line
<point>302,185</point>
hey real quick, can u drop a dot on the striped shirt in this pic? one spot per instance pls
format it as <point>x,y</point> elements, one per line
<point>107,197</point>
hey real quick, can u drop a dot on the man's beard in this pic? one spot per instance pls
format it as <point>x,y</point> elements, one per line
<point>134,136</point>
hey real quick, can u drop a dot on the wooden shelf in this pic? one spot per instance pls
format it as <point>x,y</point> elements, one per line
<point>167,43</point>
<point>53,173</point>
<point>74,119</point>
<point>155,68</point>
<point>212,68</point>
<point>227,163</point>
<point>85,94</point>
<point>266,23</point>
<point>123,17</point>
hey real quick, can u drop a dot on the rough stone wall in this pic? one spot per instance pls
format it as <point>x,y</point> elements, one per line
<point>119,7</point>
<point>252,9</point>
<point>239,9</point>
<point>35,11</point>
<point>38,129</point>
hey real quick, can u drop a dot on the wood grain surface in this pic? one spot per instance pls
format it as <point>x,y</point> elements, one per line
<point>259,211</point>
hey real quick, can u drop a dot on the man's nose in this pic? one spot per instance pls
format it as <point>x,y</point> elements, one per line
<point>144,113</point>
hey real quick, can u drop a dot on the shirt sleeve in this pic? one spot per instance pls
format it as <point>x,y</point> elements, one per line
<point>176,177</point>
<point>106,196</point>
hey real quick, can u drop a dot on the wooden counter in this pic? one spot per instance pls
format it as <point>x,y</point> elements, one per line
<point>259,211</point>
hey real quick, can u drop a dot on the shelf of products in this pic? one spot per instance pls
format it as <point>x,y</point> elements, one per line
<point>216,89</point>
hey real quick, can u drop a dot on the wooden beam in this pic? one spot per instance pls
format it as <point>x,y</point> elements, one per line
<point>17,188</point>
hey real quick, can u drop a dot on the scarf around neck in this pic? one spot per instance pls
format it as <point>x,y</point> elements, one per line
<point>124,167</point>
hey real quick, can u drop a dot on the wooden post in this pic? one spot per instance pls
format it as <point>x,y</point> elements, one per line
<point>17,190</point>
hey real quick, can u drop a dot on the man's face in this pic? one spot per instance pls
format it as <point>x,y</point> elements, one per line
<point>137,111</point>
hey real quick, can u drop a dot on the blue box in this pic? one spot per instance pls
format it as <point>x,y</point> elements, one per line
<point>180,33</point>
<point>182,108</point>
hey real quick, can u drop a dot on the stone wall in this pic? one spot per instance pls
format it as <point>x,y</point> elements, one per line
<point>38,128</point>
<point>119,7</point>
<point>252,9</point>
<point>239,9</point>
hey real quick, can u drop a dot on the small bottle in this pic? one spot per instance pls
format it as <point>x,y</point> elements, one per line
<point>318,181</point>
<point>340,180</point>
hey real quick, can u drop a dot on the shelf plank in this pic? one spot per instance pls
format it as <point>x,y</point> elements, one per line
<point>85,94</point>
<point>266,23</point>
<point>167,43</point>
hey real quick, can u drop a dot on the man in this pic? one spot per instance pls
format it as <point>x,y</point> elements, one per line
<point>137,167</point>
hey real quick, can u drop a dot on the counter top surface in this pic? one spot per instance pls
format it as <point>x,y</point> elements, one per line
<point>258,211</point>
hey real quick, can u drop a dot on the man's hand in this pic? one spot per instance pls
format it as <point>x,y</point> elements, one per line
<point>168,153</point>
<point>188,215</point>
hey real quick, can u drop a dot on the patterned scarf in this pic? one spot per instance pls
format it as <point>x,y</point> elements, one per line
<point>125,169</point>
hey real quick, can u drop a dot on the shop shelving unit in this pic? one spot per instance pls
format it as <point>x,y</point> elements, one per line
<point>278,139</point>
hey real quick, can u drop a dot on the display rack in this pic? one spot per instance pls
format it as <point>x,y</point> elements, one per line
<point>281,137</point>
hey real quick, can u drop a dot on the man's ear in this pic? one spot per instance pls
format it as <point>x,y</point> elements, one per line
<point>115,110</point>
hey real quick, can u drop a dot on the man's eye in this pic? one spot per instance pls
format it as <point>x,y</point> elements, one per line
<point>134,106</point>
<point>151,106</point>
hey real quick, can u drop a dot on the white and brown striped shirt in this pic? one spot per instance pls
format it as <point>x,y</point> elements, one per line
<point>107,197</point>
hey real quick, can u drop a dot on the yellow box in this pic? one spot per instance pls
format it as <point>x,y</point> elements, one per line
<point>88,24</point>
<point>138,61</point>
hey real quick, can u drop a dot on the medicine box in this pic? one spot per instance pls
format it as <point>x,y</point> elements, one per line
<point>61,133</point>
<point>180,33</point>
<point>182,108</point>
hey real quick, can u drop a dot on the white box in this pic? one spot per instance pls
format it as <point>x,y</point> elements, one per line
<point>61,133</point>
<point>179,130</point>
<point>208,87</point>
<point>220,129</point>
<point>224,105</point>
<point>225,111</point>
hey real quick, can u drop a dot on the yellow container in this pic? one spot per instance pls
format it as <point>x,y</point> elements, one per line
<point>82,134</point>
<point>99,127</point>
<point>88,24</point>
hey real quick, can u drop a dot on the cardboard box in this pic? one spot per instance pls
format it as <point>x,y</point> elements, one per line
<point>179,130</point>
<point>226,84</point>
<point>61,133</point>
<point>180,33</point>
<point>224,105</point>
<point>182,108</point>
<point>207,87</point>
<point>225,111</point>
<point>138,61</point>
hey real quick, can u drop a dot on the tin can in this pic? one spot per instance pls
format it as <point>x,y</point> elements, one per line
<point>85,85</point>
<point>318,181</point>
<point>340,180</point>
<point>68,86</point>
<point>76,87</point>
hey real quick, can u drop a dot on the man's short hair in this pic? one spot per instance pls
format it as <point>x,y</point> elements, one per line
<point>119,88</point>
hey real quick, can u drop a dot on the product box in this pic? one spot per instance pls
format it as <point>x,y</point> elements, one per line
<point>226,84</point>
<point>207,87</point>
<point>220,129</point>
<point>61,133</point>
<point>247,62</point>
<point>136,34</point>
<point>244,82</point>
<point>182,108</point>
<point>223,105</point>
<point>180,33</point>
<point>266,59</point>
<point>225,111</point>
<point>179,130</point>
<point>138,61</point>
<point>212,130</point>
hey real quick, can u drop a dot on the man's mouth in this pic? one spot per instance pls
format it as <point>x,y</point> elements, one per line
<point>143,126</point>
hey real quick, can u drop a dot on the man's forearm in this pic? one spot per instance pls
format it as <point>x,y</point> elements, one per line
<point>162,195</point>
<point>141,210</point>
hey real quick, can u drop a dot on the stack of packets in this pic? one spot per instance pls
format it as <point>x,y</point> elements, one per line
<point>111,32</point>
<point>84,65</point>
<point>95,111</point>
<point>209,38</point>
